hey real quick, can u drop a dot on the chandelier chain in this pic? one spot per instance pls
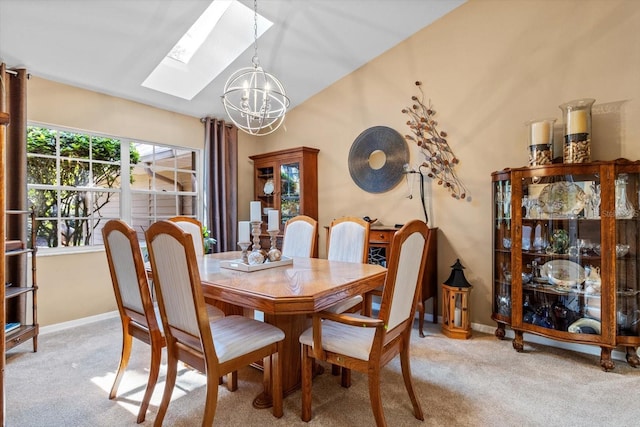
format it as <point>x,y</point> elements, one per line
<point>255,100</point>
<point>255,61</point>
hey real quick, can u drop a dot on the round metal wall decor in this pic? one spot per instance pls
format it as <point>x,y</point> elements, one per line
<point>377,158</point>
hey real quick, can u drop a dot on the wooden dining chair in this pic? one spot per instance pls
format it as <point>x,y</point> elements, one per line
<point>215,348</point>
<point>138,314</point>
<point>300,237</point>
<point>194,228</point>
<point>348,241</point>
<point>367,344</point>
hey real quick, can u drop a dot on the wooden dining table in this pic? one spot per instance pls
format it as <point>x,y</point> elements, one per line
<point>287,295</point>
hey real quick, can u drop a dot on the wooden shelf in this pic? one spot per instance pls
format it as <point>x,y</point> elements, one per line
<point>14,291</point>
<point>15,296</point>
<point>13,245</point>
<point>20,335</point>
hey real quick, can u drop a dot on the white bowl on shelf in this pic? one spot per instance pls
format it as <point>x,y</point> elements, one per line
<point>563,273</point>
<point>580,326</point>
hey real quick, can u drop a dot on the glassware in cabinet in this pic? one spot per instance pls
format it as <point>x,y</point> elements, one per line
<point>502,241</point>
<point>627,312</point>
<point>572,261</point>
<point>290,190</point>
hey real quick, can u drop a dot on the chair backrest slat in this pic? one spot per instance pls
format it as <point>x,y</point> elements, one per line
<point>128,274</point>
<point>348,240</point>
<point>194,228</point>
<point>404,275</point>
<point>300,234</point>
<point>177,282</point>
<point>173,274</point>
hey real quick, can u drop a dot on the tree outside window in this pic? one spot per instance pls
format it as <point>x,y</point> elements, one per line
<point>73,183</point>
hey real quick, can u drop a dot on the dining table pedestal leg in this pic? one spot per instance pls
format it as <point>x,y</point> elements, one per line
<point>292,326</point>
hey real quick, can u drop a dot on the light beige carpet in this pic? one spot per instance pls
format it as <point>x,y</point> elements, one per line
<point>477,382</point>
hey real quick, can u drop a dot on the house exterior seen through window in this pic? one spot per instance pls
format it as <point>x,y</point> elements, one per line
<point>77,181</point>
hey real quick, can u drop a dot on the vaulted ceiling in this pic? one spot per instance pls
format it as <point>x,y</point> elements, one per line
<point>111,46</point>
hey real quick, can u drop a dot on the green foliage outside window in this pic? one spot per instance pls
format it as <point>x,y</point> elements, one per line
<point>66,186</point>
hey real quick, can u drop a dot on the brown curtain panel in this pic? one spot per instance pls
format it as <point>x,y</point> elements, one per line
<point>15,103</point>
<point>221,183</point>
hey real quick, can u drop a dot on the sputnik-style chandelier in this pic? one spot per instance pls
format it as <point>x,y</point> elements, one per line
<point>254,99</point>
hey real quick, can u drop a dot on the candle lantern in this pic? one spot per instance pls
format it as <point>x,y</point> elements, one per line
<point>455,298</point>
<point>577,131</point>
<point>540,141</point>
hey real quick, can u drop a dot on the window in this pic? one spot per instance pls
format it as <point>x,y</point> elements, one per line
<point>77,181</point>
<point>163,184</point>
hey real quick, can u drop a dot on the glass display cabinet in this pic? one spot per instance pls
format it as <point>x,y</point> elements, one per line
<point>286,180</point>
<point>565,254</point>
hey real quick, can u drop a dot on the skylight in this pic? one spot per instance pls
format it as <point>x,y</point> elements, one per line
<point>214,41</point>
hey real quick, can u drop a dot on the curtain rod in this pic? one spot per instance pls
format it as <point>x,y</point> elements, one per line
<point>15,73</point>
<point>204,119</point>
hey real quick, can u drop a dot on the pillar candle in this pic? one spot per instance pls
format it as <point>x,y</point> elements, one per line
<point>540,132</point>
<point>256,211</point>
<point>243,231</point>
<point>273,220</point>
<point>577,122</point>
<point>457,317</point>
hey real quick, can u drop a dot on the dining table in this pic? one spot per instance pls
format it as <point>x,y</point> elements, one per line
<point>287,294</point>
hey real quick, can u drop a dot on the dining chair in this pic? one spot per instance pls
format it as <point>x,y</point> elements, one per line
<point>348,241</point>
<point>194,228</point>
<point>138,314</point>
<point>367,344</point>
<point>300,236</point>
<point>214,348</point>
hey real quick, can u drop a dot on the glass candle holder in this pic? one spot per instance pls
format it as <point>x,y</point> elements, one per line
<point>577,130</point>
<point>540,141</point>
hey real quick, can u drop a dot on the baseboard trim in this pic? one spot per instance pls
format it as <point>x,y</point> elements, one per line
<point>77,322</point>
<point>479,327</point>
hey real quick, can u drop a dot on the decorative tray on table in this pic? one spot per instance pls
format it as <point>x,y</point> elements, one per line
<point>237,264</point>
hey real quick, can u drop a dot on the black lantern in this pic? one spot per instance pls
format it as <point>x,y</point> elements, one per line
<point>456,322</point>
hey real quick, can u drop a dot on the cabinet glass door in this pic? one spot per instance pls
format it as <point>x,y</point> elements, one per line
<point>561,254</point>
<point>502,248</point>
<point>627,266</point>
<point>289,190</point>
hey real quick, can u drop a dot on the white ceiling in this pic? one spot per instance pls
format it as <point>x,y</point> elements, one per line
<point>111,46</point>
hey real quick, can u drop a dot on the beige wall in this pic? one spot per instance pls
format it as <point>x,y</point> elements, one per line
<point>63,105</point>
<point>78,285</point>
<point>487,67</point>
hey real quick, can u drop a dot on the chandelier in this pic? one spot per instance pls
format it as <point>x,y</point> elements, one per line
<point>254,99</point>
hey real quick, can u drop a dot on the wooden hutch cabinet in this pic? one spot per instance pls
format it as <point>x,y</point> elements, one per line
<point>286,180</point>
<point>566,254</point>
